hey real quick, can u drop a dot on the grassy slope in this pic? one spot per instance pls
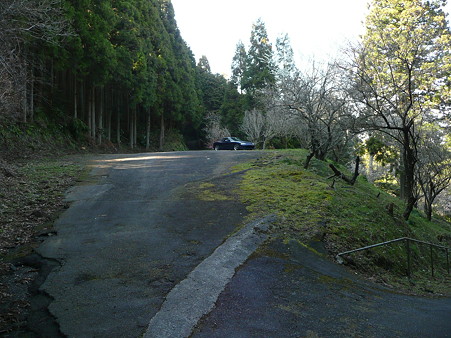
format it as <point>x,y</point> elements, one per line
<point>344,217</point>
<point>32,196</point>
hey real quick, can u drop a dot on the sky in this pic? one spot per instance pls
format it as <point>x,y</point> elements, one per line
<point>317,29</point>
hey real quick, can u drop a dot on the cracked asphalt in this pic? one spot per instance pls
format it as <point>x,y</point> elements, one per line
<point>142,228</point>
<point>127,240</point>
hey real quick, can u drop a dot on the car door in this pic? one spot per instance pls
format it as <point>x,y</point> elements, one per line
<point>227,144</point>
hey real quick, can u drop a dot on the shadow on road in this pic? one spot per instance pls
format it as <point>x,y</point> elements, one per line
<point>289,291</point>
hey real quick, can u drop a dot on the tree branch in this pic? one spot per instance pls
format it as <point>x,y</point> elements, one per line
<point>338,173</point>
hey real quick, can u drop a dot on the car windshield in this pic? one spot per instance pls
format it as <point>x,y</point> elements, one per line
<point>235,139</point>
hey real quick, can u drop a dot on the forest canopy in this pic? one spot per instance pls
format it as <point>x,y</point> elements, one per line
<point>113,68</point>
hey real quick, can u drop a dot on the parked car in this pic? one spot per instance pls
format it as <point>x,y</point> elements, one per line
<point>232,143</point>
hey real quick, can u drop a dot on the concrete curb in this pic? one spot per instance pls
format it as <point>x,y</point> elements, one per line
<point>196,295</point>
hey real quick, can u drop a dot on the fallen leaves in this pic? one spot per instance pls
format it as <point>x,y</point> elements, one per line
<point>31,197</point>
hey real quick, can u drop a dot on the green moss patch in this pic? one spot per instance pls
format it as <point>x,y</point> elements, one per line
<point>209,192</point>
<point>310,206</point>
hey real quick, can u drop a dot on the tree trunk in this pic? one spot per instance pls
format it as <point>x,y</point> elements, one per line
<point>101,107</point>
<point>320,155</point>
<point>409,208</point>
<point>390,209</point>
<point>40,91</point>
<point>402,183</point>
<point>371,168</point>
<point>75,97</point>
<point>308,159</point>
<point>32,94</point>
<point>89,103</point>
<point>93,113</point>
<point>24,79</point>
<point>131,127</point>
<point>110,113</point>
<point>356,169</point>
<point>148,130</point>
<point>82,100</point>
<point>409,162</point>
<point>428,209</point>
<point>161,133</point>
<point>338,173</point>
<point>135,125</point>
<point>52,83</point>
<point>118,123</point>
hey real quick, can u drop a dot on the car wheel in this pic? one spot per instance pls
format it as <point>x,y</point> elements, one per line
<point>216,148</point>
<point>236,147</point>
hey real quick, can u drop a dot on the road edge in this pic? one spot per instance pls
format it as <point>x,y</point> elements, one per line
<point>196,295</point>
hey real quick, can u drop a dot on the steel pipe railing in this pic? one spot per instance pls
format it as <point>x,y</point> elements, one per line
<point>408,240</point>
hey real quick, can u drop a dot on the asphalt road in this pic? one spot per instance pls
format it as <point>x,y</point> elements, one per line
<point>127,240</point>
<point>142,253</point>
<point>289,291</point>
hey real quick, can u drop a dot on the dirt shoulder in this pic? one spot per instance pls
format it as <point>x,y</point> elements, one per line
<point>31,198</point>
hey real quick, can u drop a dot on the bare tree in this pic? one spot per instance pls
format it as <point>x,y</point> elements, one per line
<point>434,169</point>
<point>214,130</point>
<point>261,126</point>
<point>24,26</point>
<point>318,106</point>
<point>253,125</point>
<point>275,115</point>
<point>400,72</point>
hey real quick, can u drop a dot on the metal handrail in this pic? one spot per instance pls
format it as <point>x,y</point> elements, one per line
<point>408,240</point>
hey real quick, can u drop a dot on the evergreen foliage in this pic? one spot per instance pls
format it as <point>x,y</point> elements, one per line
<point>122,68</point>
<point>260,68</point>
<point>401,76</point>
<point>239,63</point>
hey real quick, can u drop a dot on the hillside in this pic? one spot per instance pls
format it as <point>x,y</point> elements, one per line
<point>313,208</point>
